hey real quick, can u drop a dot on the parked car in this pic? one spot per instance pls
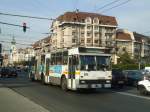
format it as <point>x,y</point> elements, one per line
<point>118,78</point>
<point>144,85</point>
<point>0,71</point>
<point>18,69</point>
<point>5,72</point>
<point>8,72</point>
<point>132,77</point>
<point>13,72</point>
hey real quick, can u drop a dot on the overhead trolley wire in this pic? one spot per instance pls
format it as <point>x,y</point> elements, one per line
<point>108,4</point>
<point>122,3</point>
<point>24,16</point>
<point>11,24</point>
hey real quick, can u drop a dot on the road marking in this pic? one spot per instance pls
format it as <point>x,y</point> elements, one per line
<point>133,95</point>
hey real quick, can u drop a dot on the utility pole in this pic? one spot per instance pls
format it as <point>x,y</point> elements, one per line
<point>0,31</point>
<point>140,51</point>
<point>77,29</point>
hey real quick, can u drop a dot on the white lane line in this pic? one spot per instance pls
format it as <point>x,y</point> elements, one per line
<point>133,95</point>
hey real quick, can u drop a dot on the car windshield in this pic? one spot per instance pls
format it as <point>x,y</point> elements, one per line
<point>135,73</point>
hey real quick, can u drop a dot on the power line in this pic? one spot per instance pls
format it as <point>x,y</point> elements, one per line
<point>12,24</point>
<point>24,16</point>
<point>16,43</point>
<point>106,5</point>
<point>147,32</point>
<point>18,40</point>
<point>116,6</point>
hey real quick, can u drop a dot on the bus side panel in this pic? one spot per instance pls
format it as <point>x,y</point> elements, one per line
<point>55,73</point>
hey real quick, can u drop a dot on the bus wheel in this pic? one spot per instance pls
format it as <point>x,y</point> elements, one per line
<point>31,77</point>
<point>64,84</point>
<point>43,78</point>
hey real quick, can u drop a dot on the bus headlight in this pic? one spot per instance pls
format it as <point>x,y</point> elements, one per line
<point>108,81</point>
<point>82,82</point>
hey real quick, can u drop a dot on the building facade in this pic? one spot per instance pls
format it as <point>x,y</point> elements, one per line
<point>1,57</point>
<point>137,46</point>
<point>42,46</point>
<point>82,29</point>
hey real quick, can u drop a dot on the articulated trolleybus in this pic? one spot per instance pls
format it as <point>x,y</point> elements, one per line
<point>75,68</point>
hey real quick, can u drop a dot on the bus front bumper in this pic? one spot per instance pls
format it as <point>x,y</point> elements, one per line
<point>94,84</point>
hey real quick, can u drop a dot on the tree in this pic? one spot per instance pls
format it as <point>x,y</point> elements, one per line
<point>125,58</point>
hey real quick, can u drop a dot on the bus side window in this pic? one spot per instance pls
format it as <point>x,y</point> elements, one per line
<point>65,58</point>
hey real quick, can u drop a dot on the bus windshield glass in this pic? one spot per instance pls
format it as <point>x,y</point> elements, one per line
<point>103,62</point>
<point>93,63</point>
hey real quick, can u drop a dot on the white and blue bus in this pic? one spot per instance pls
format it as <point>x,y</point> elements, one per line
<point>77,68</point>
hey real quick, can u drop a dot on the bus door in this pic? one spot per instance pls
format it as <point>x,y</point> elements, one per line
<point>71,69</point>
<point>47,66</point>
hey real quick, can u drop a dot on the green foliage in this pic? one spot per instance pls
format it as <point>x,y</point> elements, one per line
<point>126,63</point>
<point>125,59</point>
<point>126,66</point>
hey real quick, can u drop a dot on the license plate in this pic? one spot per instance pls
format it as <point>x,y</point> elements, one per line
<point>107,85</point>
<point>120,82</point>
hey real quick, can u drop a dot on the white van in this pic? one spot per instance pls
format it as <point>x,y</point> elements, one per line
<point>144,85</point>
<point>147,70</point>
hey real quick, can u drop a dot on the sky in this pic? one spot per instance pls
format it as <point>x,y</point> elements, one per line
<point>133,15</point>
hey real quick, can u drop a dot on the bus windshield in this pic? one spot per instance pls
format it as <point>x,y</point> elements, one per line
<point>103,62</point>
<point>93,63</point>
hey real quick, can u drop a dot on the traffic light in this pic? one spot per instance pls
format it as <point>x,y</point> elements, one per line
<point>24,27</point>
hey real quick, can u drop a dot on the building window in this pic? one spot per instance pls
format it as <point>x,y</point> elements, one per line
<point>75,19</point>
<point>100,22</point>
<point>73,33</point>
<point>82,40</point>
<point>73,40</point>
<point>95,20</point>
<point>96,41</point>
<point>88,20</point>
<point>63,33</point>
<point>89,27</point>
<point>89,40</point>
<point>96,34</point>
<point>88,34</point>
<point>83,21</point>
<point>82,34</point>
<point>96,27</point>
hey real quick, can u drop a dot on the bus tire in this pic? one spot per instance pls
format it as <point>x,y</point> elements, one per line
<point>43,79</point>
<point>31,77</point>
<point>64,84</point>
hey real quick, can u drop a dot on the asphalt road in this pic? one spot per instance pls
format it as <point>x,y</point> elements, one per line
<point>54,99</point>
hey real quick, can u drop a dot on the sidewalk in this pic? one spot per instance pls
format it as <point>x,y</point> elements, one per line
<point>11,101</point>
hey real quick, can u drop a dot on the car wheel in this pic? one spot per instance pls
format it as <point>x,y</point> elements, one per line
<point>142,90</point>
<point>64,84</point>
<point>135,83</point>
<point>31,77</point>
<point>121,86</point>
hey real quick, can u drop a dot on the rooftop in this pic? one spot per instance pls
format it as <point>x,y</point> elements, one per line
<point>80,16</point>
<point>123,36</point>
